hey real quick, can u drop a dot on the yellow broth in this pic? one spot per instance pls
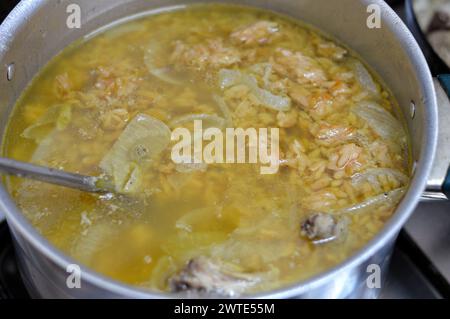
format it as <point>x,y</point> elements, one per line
<point>80,103</point>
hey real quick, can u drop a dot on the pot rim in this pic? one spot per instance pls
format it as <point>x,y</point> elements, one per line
<point>14,22</point>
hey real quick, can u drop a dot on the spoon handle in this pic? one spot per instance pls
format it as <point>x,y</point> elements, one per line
<point>51,175</point>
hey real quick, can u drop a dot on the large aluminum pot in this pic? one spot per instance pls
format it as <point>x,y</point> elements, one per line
<point>36,30</point>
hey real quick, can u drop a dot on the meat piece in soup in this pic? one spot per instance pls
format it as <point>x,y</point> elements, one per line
<point>108,106</point>
<point>321,228</point>
<point>203,276</point>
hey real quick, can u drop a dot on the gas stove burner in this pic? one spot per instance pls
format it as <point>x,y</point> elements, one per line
<point>11,285</point>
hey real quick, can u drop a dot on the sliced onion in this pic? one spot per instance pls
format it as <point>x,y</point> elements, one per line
<point>224,109</point>
<point>164,266</point>
<point>143,139</point>
<point>162,73</point>
<point>371,175</point>
<point>390,198</point>
<point>196,217</point>
<point>207,120</point>
<point>48,147</point>
<point>380,120</point>
<point>58,116</point>
<point>228,78</point>
<point>264,70</point>
<point>96,238</point>
<point>364,77</point>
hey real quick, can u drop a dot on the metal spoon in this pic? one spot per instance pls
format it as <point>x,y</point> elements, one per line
<point>84,183</point>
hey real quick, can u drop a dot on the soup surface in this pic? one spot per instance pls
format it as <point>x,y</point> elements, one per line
<point>106,106</point>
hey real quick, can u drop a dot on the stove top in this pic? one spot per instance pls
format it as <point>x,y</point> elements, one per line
<point>420,266</point>
<point>11,285</point>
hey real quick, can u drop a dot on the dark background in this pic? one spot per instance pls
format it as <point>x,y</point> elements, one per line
<point>5,7</point>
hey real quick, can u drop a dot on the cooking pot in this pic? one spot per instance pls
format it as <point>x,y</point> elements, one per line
<point>36,30</point>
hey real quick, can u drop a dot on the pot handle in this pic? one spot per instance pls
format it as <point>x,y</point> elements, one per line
<point>438,186</point>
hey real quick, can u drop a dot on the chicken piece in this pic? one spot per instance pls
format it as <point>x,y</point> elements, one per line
<point>331,50</point>
<point>321,228</point>
<point>321,105</point>
<point>317,105</point>
<point>300,96</point>
<point>327,134</point>
<point>298,67</point>
<point>212,54</point>
<point>261,32</point>
<point>201,275</point>
<point>339,88</point>
<point>345,156</point>
<point>109,85</point>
